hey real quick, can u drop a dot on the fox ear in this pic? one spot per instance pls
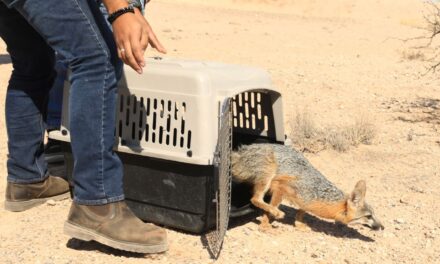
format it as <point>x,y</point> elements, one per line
<point>357,196</point>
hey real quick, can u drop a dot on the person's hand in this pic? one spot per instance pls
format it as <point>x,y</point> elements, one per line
<point>132,35</point>
<point>149,37</point>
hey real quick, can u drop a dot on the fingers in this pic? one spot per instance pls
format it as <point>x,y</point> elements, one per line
<point>132,35</point>
<point>138,51</point>
<point>144,40</point>
<point>131,53</point>
<point>121,52</point>
<point>155,43</point>
<point>128,57</point>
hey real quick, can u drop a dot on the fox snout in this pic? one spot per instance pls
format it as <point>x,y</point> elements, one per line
<point>368,221</point>
<point>378,226</point>
<point>374,224</point>
<point>362,213</point>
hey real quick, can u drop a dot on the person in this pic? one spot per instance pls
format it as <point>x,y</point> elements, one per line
<point>53,151</point>
<point>33,30</point>
<point>55,97</point>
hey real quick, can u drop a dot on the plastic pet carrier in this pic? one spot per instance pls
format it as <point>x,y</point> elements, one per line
<point>176,126</point>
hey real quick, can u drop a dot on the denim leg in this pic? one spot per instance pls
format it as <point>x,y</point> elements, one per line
<point>54,107</point>
<point>55,100</point>
<point>100,15</point>
<point>26,97</point>
<point>70,28</point>
<point>55,104</point>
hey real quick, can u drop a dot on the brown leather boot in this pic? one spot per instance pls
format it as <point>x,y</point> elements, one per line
<point>20,197</point>
<point>116,226</point>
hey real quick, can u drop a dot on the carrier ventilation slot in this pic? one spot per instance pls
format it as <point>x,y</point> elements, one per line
<point>252,113</point>
<point>153,120</point>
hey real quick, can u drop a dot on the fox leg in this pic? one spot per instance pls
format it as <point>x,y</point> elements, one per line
<point>260,189</point>
<point>299,220</point>
<point>265,222</point>
<point>265,225</point>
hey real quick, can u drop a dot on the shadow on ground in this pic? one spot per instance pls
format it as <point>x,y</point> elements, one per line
<point>5,59</point>
<point>95,246</point>
<point>316,224</point>
<point>329,228</point>
<point>420,110</point>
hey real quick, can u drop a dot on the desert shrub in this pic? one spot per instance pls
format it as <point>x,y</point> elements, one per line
<point>338,139</point>
<point>413,55</point>
<point>362,131</point>
<point>308,137</point>
<point>428,41</point>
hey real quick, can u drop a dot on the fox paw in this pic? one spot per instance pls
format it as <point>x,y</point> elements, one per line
<point>267,228</point>
<point>278,214</point>
<point>302,226</point>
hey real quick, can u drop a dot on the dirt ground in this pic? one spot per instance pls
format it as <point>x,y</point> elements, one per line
<point>338,59</point>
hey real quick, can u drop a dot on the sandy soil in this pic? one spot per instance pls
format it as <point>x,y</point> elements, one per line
<point>340,59</point>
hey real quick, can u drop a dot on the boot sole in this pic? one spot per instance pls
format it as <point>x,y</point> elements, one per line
<point>86,234</point>
<point>20,206</point>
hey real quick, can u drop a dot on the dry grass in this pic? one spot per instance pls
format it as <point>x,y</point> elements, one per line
<point>305,134</point>
<point>413,55</point>
<point>362,131</point>
<point>338,139</point>
<point>308,137</point>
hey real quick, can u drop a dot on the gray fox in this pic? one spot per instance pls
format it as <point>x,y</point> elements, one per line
<point>289,176</point>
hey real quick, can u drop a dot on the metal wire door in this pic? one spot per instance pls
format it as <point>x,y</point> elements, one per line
<point>223,180</point>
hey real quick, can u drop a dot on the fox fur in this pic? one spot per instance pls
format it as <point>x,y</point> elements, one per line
<point>290,177</point>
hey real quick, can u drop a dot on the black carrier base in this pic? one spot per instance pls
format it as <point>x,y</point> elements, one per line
<point>168,193</point>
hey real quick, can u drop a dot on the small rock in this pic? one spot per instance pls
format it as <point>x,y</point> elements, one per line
<point>288,142</point>
<point>402,201</point>
<point>51,202</point>
<point>314,255</point>
<point>428,235</point>
<point>428,243</point>
<point>415,189</point>
<point>410,135</point>
<point>399,221</point>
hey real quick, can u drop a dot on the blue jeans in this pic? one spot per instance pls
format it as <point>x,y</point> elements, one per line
<point>55,103</point>
<point>55,100</point>
<point>77,31</point>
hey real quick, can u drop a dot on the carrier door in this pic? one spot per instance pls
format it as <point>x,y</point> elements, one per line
<point>222,181</point>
